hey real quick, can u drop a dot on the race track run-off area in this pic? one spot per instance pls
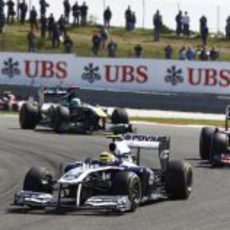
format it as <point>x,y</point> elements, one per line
<point>207,208</point>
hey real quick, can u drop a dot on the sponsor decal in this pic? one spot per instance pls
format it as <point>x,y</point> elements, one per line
<point>147,138</point>
<point>91,73</point>
<point>209,77</point>
<point>126,74</point>
<point>11,68</point>
<point>46,70</point>
<point>174,76</point>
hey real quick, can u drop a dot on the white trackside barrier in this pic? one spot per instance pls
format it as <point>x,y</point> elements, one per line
<point>129,74</point>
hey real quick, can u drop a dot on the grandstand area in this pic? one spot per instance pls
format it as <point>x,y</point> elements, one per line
<point>14,38</point>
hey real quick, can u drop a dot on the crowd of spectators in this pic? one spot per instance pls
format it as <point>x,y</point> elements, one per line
<point>191,54</point>
<point>55,30</point>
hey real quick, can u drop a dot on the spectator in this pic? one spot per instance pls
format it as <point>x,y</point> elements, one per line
<point>43,6</point>
<point>214,54</point>
<point>32,41</point>
<point>190,54</point>
<point>76,9</point>
<point>43,26</point>
<point>55,36</point>
<point>112,49</point>
<point>104,34</point>
<point>2,21</point>
<point>84,13</point>
<point>203,23</point>
<point>61,25</point>
<point>68,44</point>
<point>203,54</point>
<point>138,51</point>
<point>133,21</point>
<point>23,8</point>
<point>157,23</point>
<point>182,53</point>
<point>33,19</point>
<point>128,15</point>
<point>10,12</point>
<point>168,52</point>
<point>96,44</point>
<point>2,5</point>
<point>204,36</point>
<point>227,28</point>
<point>204,30</point>
<point>179,23</point>
<point>107,17</point>
<point>51,22</point>
<point>67,9</point>
<point>186,24</point>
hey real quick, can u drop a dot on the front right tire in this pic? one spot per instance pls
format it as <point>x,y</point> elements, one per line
<point>120,116</point>
<point>38,179</point>
<point>128,183</point>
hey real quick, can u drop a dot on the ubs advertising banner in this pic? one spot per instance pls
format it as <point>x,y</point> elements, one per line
<point>148,75</point>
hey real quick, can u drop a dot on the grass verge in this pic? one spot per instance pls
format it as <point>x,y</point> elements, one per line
<point>180,121</point>
<point>176,121</point>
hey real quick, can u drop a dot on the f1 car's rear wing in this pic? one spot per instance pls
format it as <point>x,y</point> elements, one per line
<point>150,142</point>
<point>147,141</point>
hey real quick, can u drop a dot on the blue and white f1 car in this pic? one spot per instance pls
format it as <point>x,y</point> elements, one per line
<point>120,185</point>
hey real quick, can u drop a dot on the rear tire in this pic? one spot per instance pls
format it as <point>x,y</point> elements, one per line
<point>205,142</point>
<point>219,145</point>
<point>61,119</point>
<point>38,179</point>
<point>28,116</point>
<point>120,116</point>
<point>128,183</point>
<point>179,179</point>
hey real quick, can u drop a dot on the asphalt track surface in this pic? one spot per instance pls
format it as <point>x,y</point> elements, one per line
<point>207,208</point>
<point>168,102</point>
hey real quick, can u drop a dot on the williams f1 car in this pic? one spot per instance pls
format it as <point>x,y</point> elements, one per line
<point>215,143</point>
<point>115,181</point>
<point>71,115</point>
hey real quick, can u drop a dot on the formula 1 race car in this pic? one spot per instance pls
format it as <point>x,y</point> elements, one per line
<point>115,181</point>
<point>214,143</point>
<point>72,115</point>
<point>9,102</point>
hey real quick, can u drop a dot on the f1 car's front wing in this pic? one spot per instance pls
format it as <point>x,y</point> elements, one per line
<point>42,200</point>
<point>119,203</point>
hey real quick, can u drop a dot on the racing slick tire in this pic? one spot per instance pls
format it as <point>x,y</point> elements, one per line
<point>205,142</point>
<point>91,122</point>
<point>28,116</point>
<point>61,119</point>
<point>38,179</point>
<point>179,179</point>
<point>128,183</point>
<point>120,116</point>
<point>219,145</point>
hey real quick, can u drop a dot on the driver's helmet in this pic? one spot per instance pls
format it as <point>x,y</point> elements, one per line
<point>107,157</point>
<point>75,102</point>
